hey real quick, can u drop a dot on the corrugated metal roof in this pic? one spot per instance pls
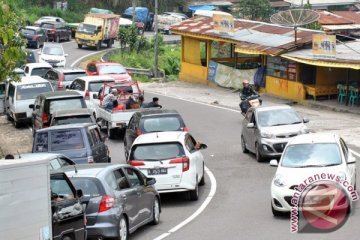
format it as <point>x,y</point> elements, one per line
<point>350,15</point>
<point>316,3</point>
<point>264,37</point>
<point>342,27</point>
<point>328,18</point>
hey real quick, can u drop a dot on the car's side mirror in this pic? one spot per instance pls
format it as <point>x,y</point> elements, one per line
<point>150,181</point>
<point>305,120</point>
<point>31,106</point>
<point>273,163</point>
<point>67,87</point>
<point>351,159</point>
<point>250,125</point>
<point>203,146</point>
<point>95,96</point>
<point>79,193</point>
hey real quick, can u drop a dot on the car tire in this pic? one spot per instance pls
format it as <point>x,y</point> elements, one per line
<point>123,229</point>
<point>69,37</point>
<point>66,238</point>
<point>98,46</point>
<point>110,132</point>
<point>126,152</point>
<point>275,212</point>
<point>243,145</point>
<point>37,45</point>
<point>156,212</point>
<point>79,45</point>
<point>109,44</point>
<point>194,194</point>
<point>57,38</point>
<point>202,180</point>
<point>258,156</point>
<point>16,124</point>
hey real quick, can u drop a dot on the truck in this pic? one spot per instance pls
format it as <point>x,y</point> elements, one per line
<point>35,201</point>
<point>112,120</point>
<point>143,17</point>
<point>96,29</point>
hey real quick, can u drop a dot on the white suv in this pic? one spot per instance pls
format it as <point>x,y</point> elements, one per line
<point>53,53</point>
<point>173,159</point>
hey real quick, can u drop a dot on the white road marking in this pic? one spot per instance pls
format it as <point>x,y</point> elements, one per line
<point>198,211</point>
<point>87,55</point>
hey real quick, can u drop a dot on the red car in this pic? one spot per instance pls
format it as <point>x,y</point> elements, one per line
<point>115,70</point>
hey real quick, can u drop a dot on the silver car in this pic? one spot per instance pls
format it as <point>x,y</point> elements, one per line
<point>118,198</point>
<point>267,130</point>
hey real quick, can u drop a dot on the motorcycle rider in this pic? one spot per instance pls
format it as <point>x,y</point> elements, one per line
<point>246,92</point>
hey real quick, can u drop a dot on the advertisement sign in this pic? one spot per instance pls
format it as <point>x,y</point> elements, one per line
<point>223,23</point>
<point>324,46</point>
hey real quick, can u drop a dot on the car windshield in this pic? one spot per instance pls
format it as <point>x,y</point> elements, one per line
<point>64,104</point>
<point>53,50</point>
<point>278,117</point>
<point>40,71</point>
<point>95,86</point>
<point>72,119</point>
<point>72,75</point>
<point>26,31</point>
<point>160,124</point>
<point>311,155</point>
<point>86,28</point>
<point>155,152</point>
<point>111,69</point>
<point>66,140</point>
<point>31,91</point>
<point>87,185</point>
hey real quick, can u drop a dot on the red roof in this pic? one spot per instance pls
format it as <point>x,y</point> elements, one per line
<point>350,15</point>
<point>328,18</point>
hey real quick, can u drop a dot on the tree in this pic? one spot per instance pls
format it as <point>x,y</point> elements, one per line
<point>259,10</point>
<point>11,43</point>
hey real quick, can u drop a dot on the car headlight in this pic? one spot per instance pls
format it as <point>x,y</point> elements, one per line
<point>266,135</point>
<point>279,181</point>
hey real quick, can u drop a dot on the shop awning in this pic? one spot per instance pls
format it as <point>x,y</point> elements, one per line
<point>201,7</point>
<point>323,63</point>
<point>249,51</point>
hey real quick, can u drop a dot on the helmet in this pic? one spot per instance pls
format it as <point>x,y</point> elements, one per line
<point>245,82</point>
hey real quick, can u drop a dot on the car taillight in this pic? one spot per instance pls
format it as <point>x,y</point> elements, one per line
<point>87,95</point>
<point>107,202</point>
<point>60,82</point>
<point>90,159</point>
<point>138,132</point>
<point>136,163</point>
<point>45,118</point>
<point>185,129</point>
<point>185,161</point>
<point>52,30</point>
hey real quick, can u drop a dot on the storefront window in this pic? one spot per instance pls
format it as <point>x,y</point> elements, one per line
<point>281,68</point>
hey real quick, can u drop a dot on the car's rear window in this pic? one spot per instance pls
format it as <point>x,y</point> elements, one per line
<point>27,31</point>
<point>41,142</point>
<point>31,91</point>
<point>111,69</point>
<point>39,71</point>
<point>161,124</point>
<point>72,119</point>
<point>66,140</point>
<point>87,185</point>
<point>72,75</point>
<point>95,86</point>
<point>158,151</point>
<point>66,103</point>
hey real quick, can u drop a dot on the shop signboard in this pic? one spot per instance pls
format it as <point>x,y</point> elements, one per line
<point>324,46</point>
<point>224,23</point>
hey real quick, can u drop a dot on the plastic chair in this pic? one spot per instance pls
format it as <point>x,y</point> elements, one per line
<point>342,93</point>
<point>354,96</point>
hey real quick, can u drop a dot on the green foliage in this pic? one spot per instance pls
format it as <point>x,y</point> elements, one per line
<point>259,10</point>
<point>315,25</point>
<point>11,43</point>
<point>128,37</point>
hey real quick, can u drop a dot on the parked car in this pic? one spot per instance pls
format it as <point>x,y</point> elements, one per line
<point>19,95</point>
<point>82,142</point>
<point>53,53</point>
<point>89,87</point>
<point>61,78</point>
<point>267,129</point>
<point>164,155</point>
<point>80,115</point>
<point>176,14</point>
<point>35,36</point>
<point>36,69</point>
<point>115,70</point>
<point>118,198</point>
<point>47,103</point>
<point>154,120</point>
<point>56,31</point>
<point>48,19</point>
<point>304,157</point>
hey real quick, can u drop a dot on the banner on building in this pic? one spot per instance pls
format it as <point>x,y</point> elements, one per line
<point>324,46</point>
<point>224,23</point>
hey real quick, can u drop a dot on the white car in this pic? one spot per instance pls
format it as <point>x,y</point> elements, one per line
<point>172,158</point>
<point>53,53</point>
<point>48,19</point>
<point>305,156</point>
<point>36,69</point>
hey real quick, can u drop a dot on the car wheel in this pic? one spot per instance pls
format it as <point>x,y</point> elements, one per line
<point>16,124</point>
<point>243,145</point>
<point>126,152</point>
<point>98,46</point>
<point>110,132</point>
<point>202,180</point>
<point>37,45</point>
<point>123,229</point>
<point>79,45</point>
<point>275,212</point>
<point>156,212</point>
<point>194,194</point>
<point>109,43</point>
<point>58,39</point>
<point>258,156</point>
<point>66,238</point>
<point>69,37</point>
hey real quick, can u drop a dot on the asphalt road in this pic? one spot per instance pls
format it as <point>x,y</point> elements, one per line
<point>240,208</point>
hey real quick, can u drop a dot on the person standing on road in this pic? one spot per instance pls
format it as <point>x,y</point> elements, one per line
<point>153,104</point>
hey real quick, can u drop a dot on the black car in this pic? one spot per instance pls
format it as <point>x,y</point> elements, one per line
<point>35,36</point>
<point>152,120</point>
<point>47,103</point>
<point>81,142</point>
<point>61,78</point>
<point>56,31</point>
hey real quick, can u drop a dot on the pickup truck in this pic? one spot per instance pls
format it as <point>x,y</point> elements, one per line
<point>115,120</point>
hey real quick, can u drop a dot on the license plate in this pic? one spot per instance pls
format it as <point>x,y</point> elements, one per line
<point>157,171</point>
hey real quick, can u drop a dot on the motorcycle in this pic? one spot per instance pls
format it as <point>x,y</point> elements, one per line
<point>251,101</point>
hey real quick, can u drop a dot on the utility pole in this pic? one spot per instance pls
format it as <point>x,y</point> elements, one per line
<point>156,40</point>
<point>133,13</point>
